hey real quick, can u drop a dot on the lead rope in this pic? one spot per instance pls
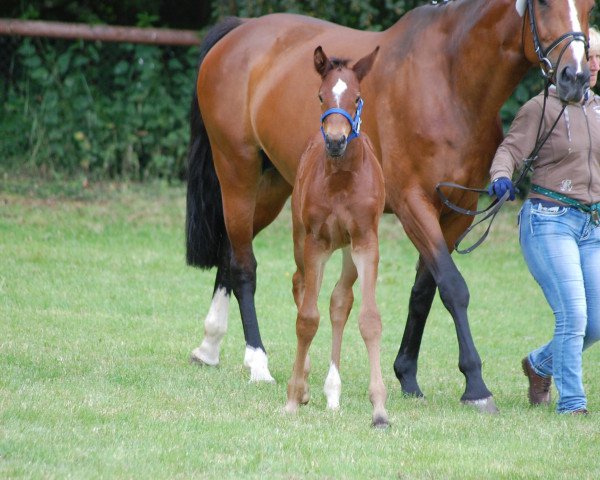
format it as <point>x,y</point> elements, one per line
<point>493,208</point>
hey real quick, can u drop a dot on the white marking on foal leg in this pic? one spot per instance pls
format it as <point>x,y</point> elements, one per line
<point>256,360</point>
<point>333,388</point>
<point>215,327</point>
<point>577,47</point>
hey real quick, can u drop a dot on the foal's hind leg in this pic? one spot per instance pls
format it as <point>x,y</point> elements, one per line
<point>340,305</point>
<point>366,260</point>
<point>421,298</point>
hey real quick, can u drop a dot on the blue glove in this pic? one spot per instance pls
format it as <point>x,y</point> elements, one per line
<point>500,186</point>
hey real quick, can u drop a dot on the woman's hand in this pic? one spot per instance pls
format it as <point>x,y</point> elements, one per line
<point>500,186</point>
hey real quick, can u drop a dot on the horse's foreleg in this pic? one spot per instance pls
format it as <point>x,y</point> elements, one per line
<point>339,310</point>
<point>366,260</point>
<point>455,297</point>
<point>421,298</point>
<point>215,323</point>
<point>425,232</point>
<point>307,323</point>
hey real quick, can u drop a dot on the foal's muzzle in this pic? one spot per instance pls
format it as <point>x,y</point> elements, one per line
<point>335,146</point>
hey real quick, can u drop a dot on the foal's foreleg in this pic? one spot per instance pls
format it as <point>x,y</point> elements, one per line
<point>307,323</point>
<point>340,305</point>
<point>369,321</point>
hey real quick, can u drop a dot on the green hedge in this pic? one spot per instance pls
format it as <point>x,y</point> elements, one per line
<point>110,110</point>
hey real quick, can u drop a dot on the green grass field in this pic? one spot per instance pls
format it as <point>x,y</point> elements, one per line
<point>99,313</point>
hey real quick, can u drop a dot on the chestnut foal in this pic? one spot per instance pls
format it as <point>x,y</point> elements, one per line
<point>337,201</point>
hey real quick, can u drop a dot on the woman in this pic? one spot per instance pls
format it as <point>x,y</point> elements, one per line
<point>559,231</point>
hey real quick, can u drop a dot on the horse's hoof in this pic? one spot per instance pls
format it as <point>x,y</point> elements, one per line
<point>484,405</point>
<point>256,360</point>
<point>417,395</point>
<point>201,357</point>
<point>410,388</point>
<point>380,423</point>
<point>290,408</point>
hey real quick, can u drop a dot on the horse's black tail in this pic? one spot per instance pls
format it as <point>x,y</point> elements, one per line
<point>204,225</point>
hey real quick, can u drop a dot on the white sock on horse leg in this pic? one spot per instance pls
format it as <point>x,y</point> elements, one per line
<point>215,327</point>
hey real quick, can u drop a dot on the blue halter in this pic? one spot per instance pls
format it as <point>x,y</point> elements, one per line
<point>354,122</point>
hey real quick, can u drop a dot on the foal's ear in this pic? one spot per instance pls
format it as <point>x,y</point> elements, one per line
<point>322,63</point>
<point>362,67</point>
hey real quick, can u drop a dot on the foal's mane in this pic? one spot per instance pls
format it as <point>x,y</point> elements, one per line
<point>339,63</point>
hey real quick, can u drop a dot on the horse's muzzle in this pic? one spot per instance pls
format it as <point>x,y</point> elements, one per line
<point>571,85</point>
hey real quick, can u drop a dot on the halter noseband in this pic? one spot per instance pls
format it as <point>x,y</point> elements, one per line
<point>546,66</point>
<point>354,122</point>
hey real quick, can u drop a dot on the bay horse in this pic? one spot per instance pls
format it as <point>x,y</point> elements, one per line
<point>432,103</point>
<point>337,201</point>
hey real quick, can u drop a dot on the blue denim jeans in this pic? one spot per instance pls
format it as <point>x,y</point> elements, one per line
<point>561,247</point>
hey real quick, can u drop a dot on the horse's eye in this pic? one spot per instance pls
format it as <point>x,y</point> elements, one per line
<point>320,98</point>
<point>543,2</point>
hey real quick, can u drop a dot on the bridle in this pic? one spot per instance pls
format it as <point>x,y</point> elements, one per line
<point>547,68</point>
<point>354,122</point>
<point>548,71</point>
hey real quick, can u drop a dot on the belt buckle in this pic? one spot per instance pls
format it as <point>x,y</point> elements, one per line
<point>595,217</point>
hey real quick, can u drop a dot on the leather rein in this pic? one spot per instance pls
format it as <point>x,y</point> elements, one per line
<point>548,71</point>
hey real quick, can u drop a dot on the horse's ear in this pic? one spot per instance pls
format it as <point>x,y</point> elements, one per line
<point>362,67</point>
<point>322,63</point>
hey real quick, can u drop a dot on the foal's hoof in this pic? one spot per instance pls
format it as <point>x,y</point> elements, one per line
<point>291,408</point>
<point>380,423</point>
<point>484,405</point>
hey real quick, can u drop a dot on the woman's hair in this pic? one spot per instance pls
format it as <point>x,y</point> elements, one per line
<point>594,40</point>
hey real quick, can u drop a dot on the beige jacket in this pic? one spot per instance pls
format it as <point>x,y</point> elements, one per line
<point>569,161</point>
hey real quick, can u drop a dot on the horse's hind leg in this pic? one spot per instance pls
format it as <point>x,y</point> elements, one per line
<point>215,323</point>
<point>421,298</point>
<point>340,305</point>
<point>240,188</point>
<point>271,197</point>
<point>366,260</point>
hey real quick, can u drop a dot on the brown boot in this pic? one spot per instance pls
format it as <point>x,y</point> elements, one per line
<point>539,387</point>
<point>581,411</point>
